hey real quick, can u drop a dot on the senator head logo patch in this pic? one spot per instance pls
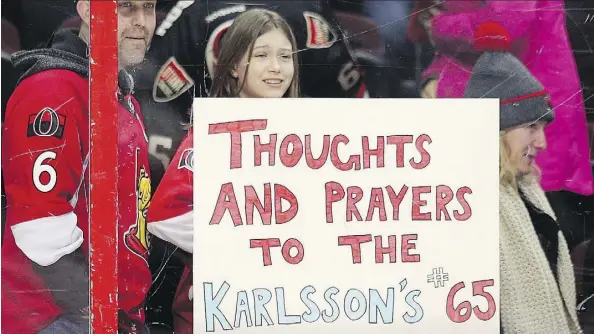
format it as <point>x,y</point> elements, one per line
<point>320,34</point>
<point>171,82</point>
<point>213,45</point>
<point>46,123</point>
<point>187,160</point>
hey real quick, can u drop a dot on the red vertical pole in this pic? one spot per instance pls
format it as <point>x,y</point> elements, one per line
<point>103,158</point>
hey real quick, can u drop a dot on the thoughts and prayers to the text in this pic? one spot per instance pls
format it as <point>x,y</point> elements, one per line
<point>338,215</point>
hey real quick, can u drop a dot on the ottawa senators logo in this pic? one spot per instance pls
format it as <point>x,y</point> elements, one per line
<point>320,34</point>
<point>187,160</point>
<point>213,45</point>
<point>136,238</point>
<point>171,82</point>
<point>46,123</point>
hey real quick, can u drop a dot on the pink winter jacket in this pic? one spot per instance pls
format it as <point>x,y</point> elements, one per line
<point>539,39</point>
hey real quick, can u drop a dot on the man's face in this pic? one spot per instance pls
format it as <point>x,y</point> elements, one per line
<point>136,25</point>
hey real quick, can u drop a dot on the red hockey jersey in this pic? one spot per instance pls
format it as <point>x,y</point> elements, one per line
<point>134,195</point>
<point>45,154</point>
<point>171,218</point>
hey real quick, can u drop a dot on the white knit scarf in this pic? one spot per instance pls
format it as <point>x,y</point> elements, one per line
<point>531,302</point>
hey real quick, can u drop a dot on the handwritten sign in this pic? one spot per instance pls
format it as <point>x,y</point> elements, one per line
<point>346,216</point>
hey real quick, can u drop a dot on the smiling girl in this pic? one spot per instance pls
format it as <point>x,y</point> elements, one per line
<point>257,58</point>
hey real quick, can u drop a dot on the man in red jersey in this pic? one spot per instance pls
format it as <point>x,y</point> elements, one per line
<point>170,218</point>
<point>45,154</point>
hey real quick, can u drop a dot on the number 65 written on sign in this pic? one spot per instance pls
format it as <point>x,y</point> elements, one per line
<point>462,312</point>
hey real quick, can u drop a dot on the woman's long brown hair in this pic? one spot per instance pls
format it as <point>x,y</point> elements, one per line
<point>239,40</point>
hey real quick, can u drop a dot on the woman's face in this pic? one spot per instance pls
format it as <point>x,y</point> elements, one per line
<point>524,143</point>
<point>270,67</point>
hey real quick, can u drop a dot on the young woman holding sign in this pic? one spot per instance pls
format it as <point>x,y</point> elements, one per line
<point>257,60</point>
<point>537,283</point>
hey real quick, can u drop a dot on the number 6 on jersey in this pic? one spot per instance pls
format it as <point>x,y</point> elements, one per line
<point>39,168</point>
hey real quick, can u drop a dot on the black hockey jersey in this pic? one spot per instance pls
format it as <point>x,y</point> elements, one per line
<point>192,29</point>
<point>185,44</point>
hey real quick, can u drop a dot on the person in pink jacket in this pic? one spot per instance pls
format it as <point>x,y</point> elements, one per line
<point>539,39</point>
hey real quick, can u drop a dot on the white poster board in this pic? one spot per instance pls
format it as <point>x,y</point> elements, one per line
<point>329,234</point>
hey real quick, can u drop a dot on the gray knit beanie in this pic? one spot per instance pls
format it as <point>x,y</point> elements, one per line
<point>498,74</point>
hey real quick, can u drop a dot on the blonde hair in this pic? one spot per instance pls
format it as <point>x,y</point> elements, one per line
<point>239,40</point>
<point>508,173</point>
